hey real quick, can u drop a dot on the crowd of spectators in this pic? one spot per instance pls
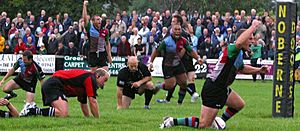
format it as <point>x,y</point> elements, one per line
<point>134,34</point>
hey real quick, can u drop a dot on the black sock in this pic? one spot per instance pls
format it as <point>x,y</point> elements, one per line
<point>5,114</point>
<point>262,76</point>
<point>48,111</point>
<point>181,95</point>
<point>11,93</point>
<point>44,112</point>
<point>170,93</point>
<point>191,88</point>
<point>148,96</point>
<point>254,77</point>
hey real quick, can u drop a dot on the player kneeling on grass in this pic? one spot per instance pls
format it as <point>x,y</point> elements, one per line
<point>216,92</point>
<point>12,110</point>
<point>133,79</point>
<point>71,83</point>
<point>26,79</point>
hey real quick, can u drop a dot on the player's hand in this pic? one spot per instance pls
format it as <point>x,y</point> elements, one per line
<point>1,83</point>
<point>150,67</point>
<point>85,2</point>
<point>264,69</point>
<point>119,107</point>
<point>200,61</point>
<point>3,102</point>
<point>256,23</point>
<point>136,84</point>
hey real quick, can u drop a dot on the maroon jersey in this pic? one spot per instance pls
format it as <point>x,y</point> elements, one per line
<point>78,83</point>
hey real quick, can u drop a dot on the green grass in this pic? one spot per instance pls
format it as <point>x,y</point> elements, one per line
<point>257,114</point>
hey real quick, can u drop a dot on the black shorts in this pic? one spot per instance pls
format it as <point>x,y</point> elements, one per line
<point>213,95</point>
<point>130,92</point>
<point>188,65</point>
<point>171,71</point>
<point>29,87</point>
<point>52,89</point>
<point>97,59</point>
<point>254,62</point>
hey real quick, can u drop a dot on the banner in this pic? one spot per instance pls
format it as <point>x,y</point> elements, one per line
<point>206,68</point>
<point>75,62</point>
<point>116,65</point>
<point>47,62</point>
<point>283,82</point>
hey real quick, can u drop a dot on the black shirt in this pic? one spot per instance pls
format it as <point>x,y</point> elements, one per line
<point>126,77</point>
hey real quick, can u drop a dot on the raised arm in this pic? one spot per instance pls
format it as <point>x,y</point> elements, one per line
<point>84,12</point>
<point>243,38</point>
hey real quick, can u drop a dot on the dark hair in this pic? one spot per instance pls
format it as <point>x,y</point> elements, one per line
<point>28,54</point>
<point>179,19</point>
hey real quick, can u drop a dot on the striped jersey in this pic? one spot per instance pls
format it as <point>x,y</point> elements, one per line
<point>229,62</point>
<point>171,48</point>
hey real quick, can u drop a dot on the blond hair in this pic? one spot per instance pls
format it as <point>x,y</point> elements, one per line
<point>101,72</point>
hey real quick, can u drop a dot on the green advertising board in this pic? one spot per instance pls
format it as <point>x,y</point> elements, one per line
<point>77,62</point>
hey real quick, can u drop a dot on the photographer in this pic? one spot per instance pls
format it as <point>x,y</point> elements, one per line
<point>118,25</point>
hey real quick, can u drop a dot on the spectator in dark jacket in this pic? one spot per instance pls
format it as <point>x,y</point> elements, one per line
<point>124,47</point>
<point>52,45</point>
<point>67,22</point>
<point>72,50</point>
<point>70,36</point>
<point>7,49</point>
<point>62,50</point>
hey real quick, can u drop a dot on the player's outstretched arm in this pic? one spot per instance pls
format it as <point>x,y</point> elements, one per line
<point>254,70</point>
<point>8,74</point>
<point>94,107</point>
<point>12,110</point>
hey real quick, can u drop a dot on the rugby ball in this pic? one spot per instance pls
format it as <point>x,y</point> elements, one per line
<point>218,123</point>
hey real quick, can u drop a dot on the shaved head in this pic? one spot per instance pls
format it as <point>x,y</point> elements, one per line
<point>132,63</point>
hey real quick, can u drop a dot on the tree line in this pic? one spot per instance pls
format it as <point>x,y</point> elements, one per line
<point>74,7</point>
